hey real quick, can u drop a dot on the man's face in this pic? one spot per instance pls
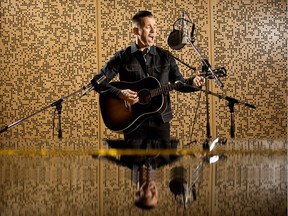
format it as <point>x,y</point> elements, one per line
<point>145,32</point>
<point>149,193</point>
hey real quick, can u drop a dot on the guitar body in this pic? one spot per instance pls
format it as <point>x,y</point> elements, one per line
<point>120,116</point>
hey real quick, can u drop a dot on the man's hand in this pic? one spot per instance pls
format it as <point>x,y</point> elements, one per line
<point>128,95</point>
<point>198,81</point>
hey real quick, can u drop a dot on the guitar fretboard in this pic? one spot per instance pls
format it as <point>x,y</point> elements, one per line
<point>169,87</point>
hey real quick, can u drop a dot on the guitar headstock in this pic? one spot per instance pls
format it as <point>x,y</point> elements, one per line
<point>219,72</point>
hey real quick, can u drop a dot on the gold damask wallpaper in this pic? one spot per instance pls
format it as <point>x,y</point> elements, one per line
<point>50,50</point>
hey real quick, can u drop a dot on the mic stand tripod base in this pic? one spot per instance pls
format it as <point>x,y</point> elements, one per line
<point>231,108</point>
<point>210,146</point>
<point>59,108</point>
<point>206,144</point>
<point>58,105</point>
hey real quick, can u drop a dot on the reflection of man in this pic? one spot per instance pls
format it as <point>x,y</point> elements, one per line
<point>143,169</point>
<point>146,196</point>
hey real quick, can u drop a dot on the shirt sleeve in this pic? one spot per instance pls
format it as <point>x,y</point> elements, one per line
<point>108,71</point>
<point>176,76</point>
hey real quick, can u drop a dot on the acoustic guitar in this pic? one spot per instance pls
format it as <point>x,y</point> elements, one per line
<point>118,115</point>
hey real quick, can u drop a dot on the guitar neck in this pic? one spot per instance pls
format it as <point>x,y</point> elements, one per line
<point>169,87</point>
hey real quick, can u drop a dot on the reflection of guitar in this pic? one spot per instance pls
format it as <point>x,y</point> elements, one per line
<point>118,115</point>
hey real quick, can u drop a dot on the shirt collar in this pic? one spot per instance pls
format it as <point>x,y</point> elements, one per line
<point>134,48</point>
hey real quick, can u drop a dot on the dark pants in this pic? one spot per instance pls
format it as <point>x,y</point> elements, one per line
<point>151,134</point>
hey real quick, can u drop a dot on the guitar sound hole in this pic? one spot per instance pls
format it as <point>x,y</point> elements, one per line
<point>144,96</point>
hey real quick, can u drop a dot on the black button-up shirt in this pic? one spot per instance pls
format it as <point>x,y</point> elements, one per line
<point>131,66</point>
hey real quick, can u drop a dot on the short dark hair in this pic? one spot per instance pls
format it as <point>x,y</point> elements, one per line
<point>136,19</point>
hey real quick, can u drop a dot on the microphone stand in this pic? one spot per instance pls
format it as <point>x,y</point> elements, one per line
<point>205,62</point>
<point>192,68</point>
<point>208,131</point>
<point>57,104</point>
<point>231,103</point>
<point>205,68</point>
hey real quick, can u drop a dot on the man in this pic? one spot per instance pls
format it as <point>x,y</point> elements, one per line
<point>136,62</point>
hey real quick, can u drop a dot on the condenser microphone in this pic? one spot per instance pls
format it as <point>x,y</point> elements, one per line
<point>178,38</point>
<point>184,29</point>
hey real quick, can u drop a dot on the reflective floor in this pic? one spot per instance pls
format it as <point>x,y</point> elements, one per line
<point>237,177</point>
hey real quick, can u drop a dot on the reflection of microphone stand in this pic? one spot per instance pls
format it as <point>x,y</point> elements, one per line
<point>185,192</point>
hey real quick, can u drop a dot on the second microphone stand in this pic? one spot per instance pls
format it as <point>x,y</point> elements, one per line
<point>206,68</point>
<point>208,129</point>
<point>57,104</point>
